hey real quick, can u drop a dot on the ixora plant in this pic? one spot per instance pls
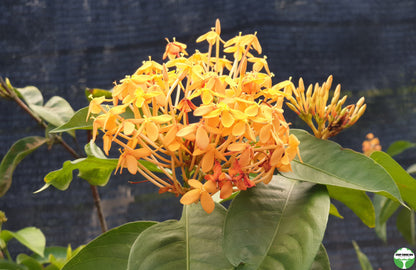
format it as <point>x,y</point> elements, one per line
<point>209,130</point>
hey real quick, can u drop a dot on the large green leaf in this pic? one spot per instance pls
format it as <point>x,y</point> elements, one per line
<point>362,258</point>
<point>77,121</point>
<point>30,237</point>
<point>357,200</point>
<point>326,162</point>
<point>193,242</point>
<point>321,261</point>
<point>110,250</point>
<point>14,156</point>
<point>398,147</point>
<point>276,226</point>
<point>406,225</point>
<point>57,111</point>
<point>96,171</point>
<point>384,209</point>
<point>405,182</point>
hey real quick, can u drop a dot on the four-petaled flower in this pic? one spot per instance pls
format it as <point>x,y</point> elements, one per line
<point>200,192</point>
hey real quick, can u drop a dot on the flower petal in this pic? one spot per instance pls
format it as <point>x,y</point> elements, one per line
<point>237,147</point>
<point>131,163</point>
<point>195,183</point>
<point>226,119</point>
<point>226,190</point>
<point>202,139</point>
<point>239,128</point>
<point>129,127</point>
<point>152,130</point>
<point>207,161</point>
<point>210,186</point>
<point>190,196</point>
<point>207,202</point>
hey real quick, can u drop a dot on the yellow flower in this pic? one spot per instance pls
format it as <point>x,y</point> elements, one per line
<point>201,192</point>
<point>173,49</point>
<point>211,118</point>
<point>128,159</point>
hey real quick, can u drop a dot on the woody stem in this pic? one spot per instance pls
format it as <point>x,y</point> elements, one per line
<point>11,93</point>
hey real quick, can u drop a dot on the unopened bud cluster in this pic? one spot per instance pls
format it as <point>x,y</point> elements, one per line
<point>325,120</point>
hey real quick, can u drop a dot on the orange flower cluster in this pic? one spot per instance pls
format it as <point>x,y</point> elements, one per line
<point>311,106</point>
<point>208,123</point>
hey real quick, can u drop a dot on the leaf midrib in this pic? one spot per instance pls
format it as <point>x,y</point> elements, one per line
<point>275,233</point>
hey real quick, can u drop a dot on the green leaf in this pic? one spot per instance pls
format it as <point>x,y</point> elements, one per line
<point>96,171</point>
<point>30,237</point>
<point>334,211</point>
<point>193,242</point>
<point>358,201</point>
<point>321,261</point>
<point>92,150</point>
<point>276,226</point>
<point>362,258</point>
<point>398,147</point>
<point>110,250</point>
<point>31,95</point>
<point>326,162</point>
<point>14,156</point>
<point>406,225</point>
<point>405,182</point>
<point>57,111</point>
<point>57,252</point>
<point>384,209</point>
<point>30,262</point>
<point>77,121</point>
<point>9,265</point>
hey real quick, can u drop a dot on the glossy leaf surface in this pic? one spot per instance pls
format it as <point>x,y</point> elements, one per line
<point>193,242</point>
<point>321,261</point>
<point>31,95</point>
<point>405,182</point>
<point>326,162</point>
<point>384,209</point>
<point>57,111</point>
<point>109,251</point>
<point>406,225</point>
<point>96,171</point>
<point>14,156</point>
<point>276,226</point>
<point>77,121</point>
<point>398,147</point>
<point>30,237</point>
<point>358,201</point>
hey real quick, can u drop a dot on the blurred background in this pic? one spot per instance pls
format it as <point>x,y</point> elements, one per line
<point>62,47</point>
